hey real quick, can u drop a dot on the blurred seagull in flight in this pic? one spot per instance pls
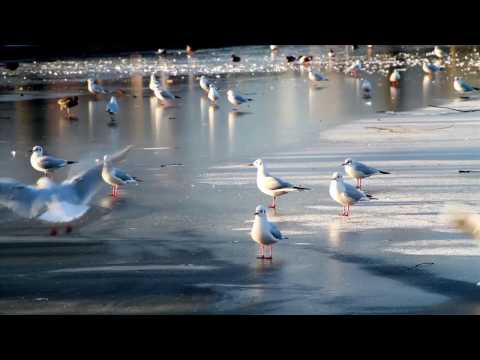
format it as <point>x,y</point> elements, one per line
<point>345,194</point>
<point>359,171</point>
<point>264,232</point>
<point>271,185</point>
<point>44,163</point>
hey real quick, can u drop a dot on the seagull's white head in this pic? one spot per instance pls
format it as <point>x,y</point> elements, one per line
<point>336,176</point>
<point>230,93</point>
<point>260,211</point>
<point>347,161</point>
<point>37,149</point>
<point>257,163</point>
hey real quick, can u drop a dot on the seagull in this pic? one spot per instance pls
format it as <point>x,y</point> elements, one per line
<point>394,77</point>
<point>264,232</point>
<point>235,99</point>
<point>355,68</point>
<point>55,203</point>
<point>315,76</point>
<point>359,171</point>
<point>116,177</point>
<point>213,94</point>
<point>205,83</point>
<point>273,47</point>
<point>273,186</point>
<point>438,52</point>
<point>189,50</point>
<point>67,102</point>
<point>304,59</point>
<point>154,82</point>
<point>345,194</point>
<point>429,68</point>
<point>331,53</point>
<point>162,52</point>
<point>366,87</point>
<point>165,95</point>
<point>462,87</point>
<point>235,58</point>
<point>45,163</point>
<point>95,88</point>
<point>112,107</point>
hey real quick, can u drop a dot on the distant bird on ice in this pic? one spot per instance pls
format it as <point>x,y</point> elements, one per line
<point>94,88</point>
<point>304,60</point>
<point>67,103</point>
<point>165,96</point>
<point>429,68</point>
<point>359,171</point>
<point>366,88</point>
<point>271,185</point>
<point>290,58</point>
<point>236,99</point>
<point>205,83</point>
<point>44,163</point>
<point>213,94</point>
<point>264,232</point>
<point>394,78</point>
<point>273,48</point>
<point>345,194</point>
<point>315,76</point>
<point>116,177</point>
<point>463,88</point>
<point>112,107</point>
<point>235,58</point>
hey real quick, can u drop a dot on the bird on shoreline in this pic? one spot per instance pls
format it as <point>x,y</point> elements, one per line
<point>429,68</point>
<point>116,177</point>
<point>366,87</point>
<point>345,194</point>
<point>67,103</point>
<point>359,171</point>
<point>395,78</point>
<point>44,163</point>
<point>264,233</point>
<point>271,185</point>
<point>463,88</point>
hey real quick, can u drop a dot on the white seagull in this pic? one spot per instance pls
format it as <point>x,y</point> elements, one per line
<point>359,171</point>
<point>345,194</point>
<point>116,177</point>
<point>112,106</point>
<point>165,95</point>
<point>95,88</point>
<point>45,163</point>
<point>54,203</point>
<point>395,77</point>
<point>213,94</point>
<point>429,68</point>
<point>366,87</point>
<point>462,87</point>
<point>154,82</point>
<point>264,232</point>
<point>273,47</point>
<point>315,76</point>
<point>205,83</point>
<point>273,186</point>
<point>236,99</point>
<point>438,52</point>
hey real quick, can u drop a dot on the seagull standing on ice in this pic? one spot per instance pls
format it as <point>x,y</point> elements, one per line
<point>264,232</point>
<point>366,88</point>
<point>462,87</point>
<point>315,76</point>
<point>45,163</point>
<point>345,194</point>
<point>116,177</point>
<point>154,82</point>
<point>112,107</point>
<point>438,52</point>
<point>205,83</point>
<point>273,186</point>
<point>273,48</point>
<point>164,95</point>
<point>359,171</point>
<point>429,68</point>
<point>395,78</point>
<point>236,99</point>
<point>213,94</point>
<point>354,69</point>
<point>95,88</point>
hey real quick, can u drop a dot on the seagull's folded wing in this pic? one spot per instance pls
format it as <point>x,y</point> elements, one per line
<point>25,201</point>
<point>353,193</point>
<point>367,170</point>
<point>274,183</point>
<point>122,175</point>
<point>49,162</point>
<point>275,231</point>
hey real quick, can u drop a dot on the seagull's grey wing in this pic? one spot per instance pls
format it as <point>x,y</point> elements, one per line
<point>353,193</point>
<point>466,87</point>
<point>274,183</point>
<point>22,199</point>
<point>275,231</point>
<point>49,162</point>
<point>122,175</point>
<point>240,98</point>
<point>167,94</point>
<point>367,170</point>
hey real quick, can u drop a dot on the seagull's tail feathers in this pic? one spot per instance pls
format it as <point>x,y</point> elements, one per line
<point>137,179</point>
<point>301,188</point>
<point>383,172</point>
<point>249,99</point>
<point>177,97</point>
<point>70,162</point>
<point>370,197</point>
